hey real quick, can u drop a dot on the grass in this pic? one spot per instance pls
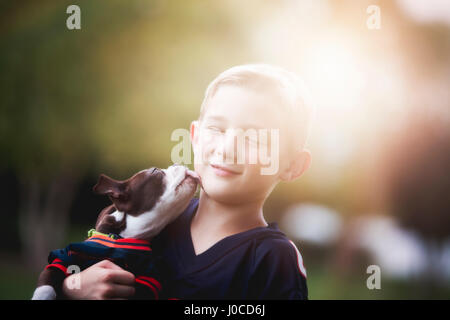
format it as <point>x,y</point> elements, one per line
<point>325,284</point>
<point>16,283</point>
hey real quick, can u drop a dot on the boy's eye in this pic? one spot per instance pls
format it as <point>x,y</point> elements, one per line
<point>216,129</point>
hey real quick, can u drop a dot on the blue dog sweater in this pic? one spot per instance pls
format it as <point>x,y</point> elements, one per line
<point>133,255</point>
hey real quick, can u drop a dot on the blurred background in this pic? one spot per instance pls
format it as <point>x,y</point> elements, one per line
<point>106,98</point>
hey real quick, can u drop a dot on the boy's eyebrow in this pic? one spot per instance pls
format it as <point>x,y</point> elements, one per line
<point>246,126</point>
<point>219,118</point>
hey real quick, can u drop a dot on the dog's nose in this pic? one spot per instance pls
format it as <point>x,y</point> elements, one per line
<point>178,168</point>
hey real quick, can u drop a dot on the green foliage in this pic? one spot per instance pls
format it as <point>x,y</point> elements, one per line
<point>107,96</point>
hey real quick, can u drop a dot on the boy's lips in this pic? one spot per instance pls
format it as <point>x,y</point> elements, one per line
<point>223,171</point>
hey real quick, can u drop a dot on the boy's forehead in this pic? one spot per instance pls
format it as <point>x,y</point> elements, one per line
<point>254,123</point>
<point>244,108</point>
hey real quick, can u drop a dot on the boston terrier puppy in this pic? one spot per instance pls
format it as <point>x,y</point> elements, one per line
<point>142,206</point>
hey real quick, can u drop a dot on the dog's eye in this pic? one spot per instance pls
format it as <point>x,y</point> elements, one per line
<point>158,170</point>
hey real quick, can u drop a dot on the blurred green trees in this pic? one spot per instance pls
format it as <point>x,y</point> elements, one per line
<point>105,98</point>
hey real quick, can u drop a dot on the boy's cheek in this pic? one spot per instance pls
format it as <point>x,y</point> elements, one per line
<point>261,175</point>
<point>205,172</point>
<point>201,153</point>
<point>199,168</point>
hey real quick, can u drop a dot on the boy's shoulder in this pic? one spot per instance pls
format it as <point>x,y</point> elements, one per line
<point>277,267</point>
<point>273,247</point>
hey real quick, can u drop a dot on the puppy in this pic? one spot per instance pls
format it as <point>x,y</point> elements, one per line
<point>142,206</point>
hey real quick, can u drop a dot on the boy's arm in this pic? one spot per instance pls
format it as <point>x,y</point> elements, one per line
<point>278,272</point>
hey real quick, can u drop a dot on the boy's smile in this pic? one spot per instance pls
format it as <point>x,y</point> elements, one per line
<point>223,171</point>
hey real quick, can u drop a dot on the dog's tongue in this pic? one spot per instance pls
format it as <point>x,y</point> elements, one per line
<point>194,175</point>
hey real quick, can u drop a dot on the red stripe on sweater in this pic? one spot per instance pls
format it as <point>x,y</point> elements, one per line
<point>59,266</point>
<point>148,285</point>
<point>151,280</point>
<point>117,245</point>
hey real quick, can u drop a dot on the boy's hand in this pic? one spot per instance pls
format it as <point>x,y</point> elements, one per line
<point>103,280</point>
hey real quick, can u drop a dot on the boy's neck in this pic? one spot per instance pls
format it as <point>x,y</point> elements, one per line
<point>224,219</point>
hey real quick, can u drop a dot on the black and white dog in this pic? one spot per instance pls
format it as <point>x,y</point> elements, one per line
<point>142,206</point>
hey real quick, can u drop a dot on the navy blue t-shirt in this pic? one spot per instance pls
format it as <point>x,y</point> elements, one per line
<point>260,263</point>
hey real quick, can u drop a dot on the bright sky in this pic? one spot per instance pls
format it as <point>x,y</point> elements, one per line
<point>427,10</point>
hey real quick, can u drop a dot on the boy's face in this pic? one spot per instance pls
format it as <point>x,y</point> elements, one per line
<point>238,124</point>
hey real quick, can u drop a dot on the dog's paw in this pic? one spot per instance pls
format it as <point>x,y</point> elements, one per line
<point>44,293</point>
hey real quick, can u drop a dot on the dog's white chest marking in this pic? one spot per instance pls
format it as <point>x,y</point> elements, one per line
<point>118,215</point>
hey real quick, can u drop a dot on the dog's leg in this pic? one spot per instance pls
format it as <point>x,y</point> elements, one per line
<point>44,292</point>
<point>49,283</point>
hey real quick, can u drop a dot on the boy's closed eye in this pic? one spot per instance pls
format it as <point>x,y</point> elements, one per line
<point>215,129</point>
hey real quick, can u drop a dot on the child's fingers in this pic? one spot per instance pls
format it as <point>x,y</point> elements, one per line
<point>120,277</point>
<point>107,265</point>
<point>118,291</point>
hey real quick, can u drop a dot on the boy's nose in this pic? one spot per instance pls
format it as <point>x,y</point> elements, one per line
<point>226,149</point>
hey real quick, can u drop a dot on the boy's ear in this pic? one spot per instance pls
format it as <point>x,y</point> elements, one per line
<point>194,132</point>
<point>299,164</point>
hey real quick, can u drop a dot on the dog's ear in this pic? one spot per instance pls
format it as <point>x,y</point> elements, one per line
<point>113,188</point>
<point>116,190</point>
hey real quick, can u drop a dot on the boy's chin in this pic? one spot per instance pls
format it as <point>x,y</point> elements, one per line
<point>223,195</point>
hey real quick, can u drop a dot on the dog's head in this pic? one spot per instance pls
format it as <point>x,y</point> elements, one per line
<point>146,202</point>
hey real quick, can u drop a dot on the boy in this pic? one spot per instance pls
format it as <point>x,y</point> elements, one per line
<point>221,247</point>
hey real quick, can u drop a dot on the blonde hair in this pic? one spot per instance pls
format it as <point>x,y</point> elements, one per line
<point>287,84</point>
